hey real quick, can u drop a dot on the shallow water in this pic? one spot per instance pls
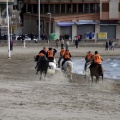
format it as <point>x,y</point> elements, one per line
<point>111,67</point>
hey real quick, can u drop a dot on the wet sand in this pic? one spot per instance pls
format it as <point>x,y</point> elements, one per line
<point>24,97</point>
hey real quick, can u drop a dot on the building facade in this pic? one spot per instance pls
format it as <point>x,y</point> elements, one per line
<point>72,17</point>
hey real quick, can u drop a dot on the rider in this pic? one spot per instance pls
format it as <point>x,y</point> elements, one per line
<point>44,51</point>
<point>97,59</point>
<point>50,54</point>
<point>87,59</point>
<point>38,57</point>
<point>66,57</point>
<point>62,52</point>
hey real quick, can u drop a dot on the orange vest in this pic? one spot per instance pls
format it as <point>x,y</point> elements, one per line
<point>40,54</point>
<point>89,55</point>
<point>62,52</point>
<point>97,58</point>
<point>67,55</point>
<point>50,53</point>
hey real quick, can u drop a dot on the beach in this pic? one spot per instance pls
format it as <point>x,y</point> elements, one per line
<point>23,96</point>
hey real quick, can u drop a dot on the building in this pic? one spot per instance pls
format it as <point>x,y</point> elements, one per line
<point>72,17</point>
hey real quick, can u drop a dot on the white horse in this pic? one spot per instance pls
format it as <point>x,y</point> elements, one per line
<point>52,67</point>
<point>68,68</point>
<point>87,71</point>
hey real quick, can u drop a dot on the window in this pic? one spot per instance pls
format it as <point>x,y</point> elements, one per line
<point>57,8</point>
<point>62,8</point>
<point>68,6</point>
<point>46,8</point>
<point>80,8</point>
<point>74,8</point>
<point>86,8</point>
<point>51,8</point>
<point>92,8</point>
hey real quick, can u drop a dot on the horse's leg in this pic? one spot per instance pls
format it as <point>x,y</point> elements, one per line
<point>40,75</point>
<point>91,78</point>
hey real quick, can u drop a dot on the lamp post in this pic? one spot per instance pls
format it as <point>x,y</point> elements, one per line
<point>9,52</point>
<point>49,23</point>
<point>39,19</point>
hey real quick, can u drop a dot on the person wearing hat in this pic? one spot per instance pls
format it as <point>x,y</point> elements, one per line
<point>87,59</point>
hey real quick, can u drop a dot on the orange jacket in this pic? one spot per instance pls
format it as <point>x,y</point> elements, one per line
<point>97,58</point>
<point>50,53</point>
<point>89,55</point>
<point>67,54</point>
<point>62,52</point>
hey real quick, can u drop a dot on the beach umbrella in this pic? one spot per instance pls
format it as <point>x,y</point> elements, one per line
<point>53,36</point>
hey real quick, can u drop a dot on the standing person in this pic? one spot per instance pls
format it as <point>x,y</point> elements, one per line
<point>62,43</point>
<point>76,43</point>
<point>79,37</point>
<point>62,52</point>
<point>57,41</point>
<point>112,45</point>
<point>67,44</point>
<point>106,45</point>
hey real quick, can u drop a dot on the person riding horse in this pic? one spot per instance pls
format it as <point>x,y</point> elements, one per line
<point>96,60</point>
<point>62,52</point>
<point>50,54</point>
<point>44,51</point>
<point>66,57</point>
<point>87,59</point>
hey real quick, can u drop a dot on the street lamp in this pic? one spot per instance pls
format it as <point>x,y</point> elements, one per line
<point>39,19</point>
<point>49,23</point>
<point>9,52</point>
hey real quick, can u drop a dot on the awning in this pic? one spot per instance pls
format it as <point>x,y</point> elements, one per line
<point>81,22</point>
<point>65,23</point>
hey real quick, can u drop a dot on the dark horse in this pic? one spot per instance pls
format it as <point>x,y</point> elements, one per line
<point>42,66</point>
<point>96,71</point>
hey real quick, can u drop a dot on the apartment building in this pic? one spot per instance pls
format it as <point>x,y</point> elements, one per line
<point>72,17</point>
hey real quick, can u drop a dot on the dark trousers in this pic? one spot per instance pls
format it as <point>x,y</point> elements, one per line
<point>51,59</point>
<point>59,61</point>
<point>68,59</point>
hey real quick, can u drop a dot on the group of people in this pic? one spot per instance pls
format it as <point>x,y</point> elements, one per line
<point>109,45</point>
<point>50,53</point>
<point>95,59</point>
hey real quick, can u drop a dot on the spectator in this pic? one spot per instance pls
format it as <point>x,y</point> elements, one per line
<point>112,45</point>
<point>78,37</point>
<point>76,43</point>
<point>57,41</point>
<point>62,43</point>
<point>106,45</point>
<point>67,44</point>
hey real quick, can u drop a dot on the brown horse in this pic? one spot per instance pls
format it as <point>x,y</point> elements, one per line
<point>96,71</point>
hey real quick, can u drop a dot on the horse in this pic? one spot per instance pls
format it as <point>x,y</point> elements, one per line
<point>42,66</point>
<point>87,71</point>
<point>52,67</point>
<point>68,68</point>
<point>96,71</point>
